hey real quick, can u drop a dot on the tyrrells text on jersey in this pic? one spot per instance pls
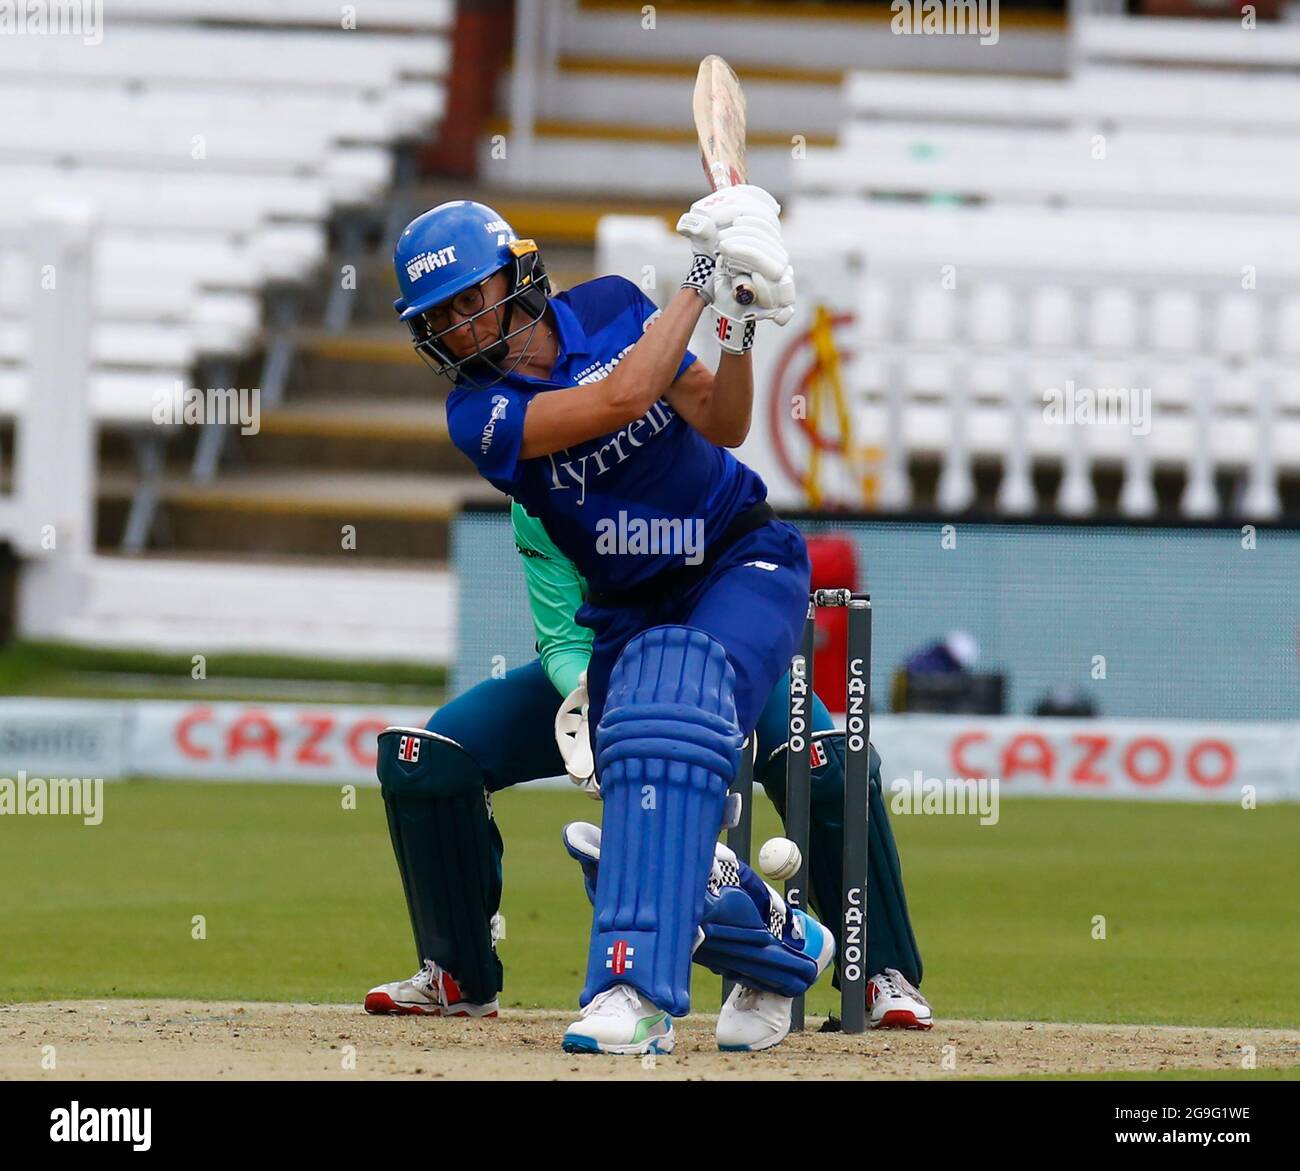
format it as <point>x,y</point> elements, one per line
<point>568,473</point>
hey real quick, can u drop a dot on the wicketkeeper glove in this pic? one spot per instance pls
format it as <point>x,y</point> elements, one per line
<point>573,741</point>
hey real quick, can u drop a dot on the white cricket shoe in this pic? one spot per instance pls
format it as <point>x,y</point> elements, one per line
<point>895,1004</point>
<point>430,992</point>
<point>752,1020</point>
<point>620,1020</point>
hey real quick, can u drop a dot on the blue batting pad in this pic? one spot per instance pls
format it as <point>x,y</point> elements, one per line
<point>666,751</point>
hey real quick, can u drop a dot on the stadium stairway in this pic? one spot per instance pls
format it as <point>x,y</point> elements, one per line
<point>611,94</point>
<point>622,127</point>
<point>360,437</point>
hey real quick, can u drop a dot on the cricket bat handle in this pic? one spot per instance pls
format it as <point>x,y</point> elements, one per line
<point>742,291</point>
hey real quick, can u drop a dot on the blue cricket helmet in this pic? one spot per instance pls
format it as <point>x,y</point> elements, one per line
<point>445,252</point>
<point>447,249</point>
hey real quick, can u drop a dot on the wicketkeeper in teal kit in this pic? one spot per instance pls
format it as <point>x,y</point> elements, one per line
<point>517,728</point>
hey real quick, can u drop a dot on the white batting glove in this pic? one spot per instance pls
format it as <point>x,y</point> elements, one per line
<point>709,217</point>
<point>573,740</point>
<point>751,252</point>
<point>753,247</point>
<point>720,209</point>
<point>771,302</point>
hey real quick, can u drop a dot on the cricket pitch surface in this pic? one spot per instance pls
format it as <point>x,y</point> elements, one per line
<point>178,1039</point>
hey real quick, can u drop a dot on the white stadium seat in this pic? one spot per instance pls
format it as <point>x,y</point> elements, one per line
<point>1237,325</point>
<point>1137,299</point>
<point>930,315</point>
<point>1093,97</point>
<point>343,116</point>
<point>199,201</point>
<point>1053,319</point>
<point>391,15</point>
<point>215,141</point>
<point>1112,320</point>
<point>329,60</point>
<point>1144,39</point>
<point>1174,327</point>
<point>992,321</point>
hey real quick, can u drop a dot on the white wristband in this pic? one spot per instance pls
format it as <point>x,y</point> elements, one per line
<point>736,337</point>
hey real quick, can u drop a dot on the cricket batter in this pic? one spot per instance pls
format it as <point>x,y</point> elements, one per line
<point>588,417</point>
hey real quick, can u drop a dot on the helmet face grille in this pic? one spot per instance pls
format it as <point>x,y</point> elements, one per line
<point>529,289</point>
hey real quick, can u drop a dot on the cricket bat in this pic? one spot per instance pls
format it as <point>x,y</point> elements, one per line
<point>719,106</point>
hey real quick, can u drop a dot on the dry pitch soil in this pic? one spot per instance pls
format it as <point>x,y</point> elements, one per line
<point>176,1039</point>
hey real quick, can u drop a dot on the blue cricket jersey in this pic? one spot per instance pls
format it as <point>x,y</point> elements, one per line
<point>657,467</point>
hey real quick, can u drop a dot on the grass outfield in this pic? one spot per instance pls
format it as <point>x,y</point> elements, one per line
<point>82,672</point>
<point>302,903</point>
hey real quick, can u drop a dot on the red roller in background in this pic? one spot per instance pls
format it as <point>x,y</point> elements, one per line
<point>834,558</point>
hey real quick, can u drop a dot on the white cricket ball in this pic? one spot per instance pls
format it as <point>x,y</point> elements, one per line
<point>779,858</point>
